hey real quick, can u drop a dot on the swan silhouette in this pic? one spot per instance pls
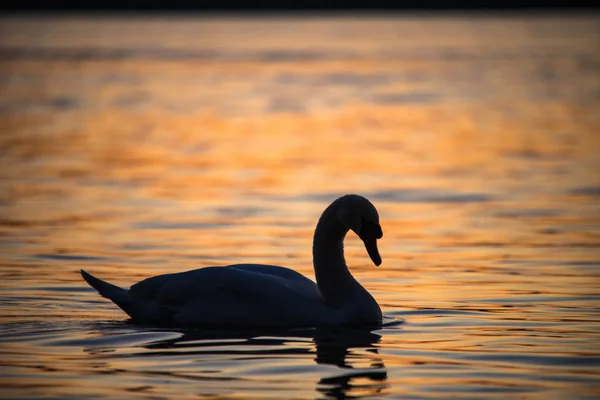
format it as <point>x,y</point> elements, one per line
<point>251,296</point>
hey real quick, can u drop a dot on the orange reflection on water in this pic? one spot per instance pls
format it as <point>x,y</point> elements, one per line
<point>482,162</point>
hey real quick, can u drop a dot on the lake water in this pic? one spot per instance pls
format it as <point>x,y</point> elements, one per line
<point>135,146</point>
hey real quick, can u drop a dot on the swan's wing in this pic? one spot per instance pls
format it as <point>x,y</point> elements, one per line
<point>291,278</point>
<point>240,280</point>
<point>272,270</point>
<point>240,295</point>
<point>244,295</point>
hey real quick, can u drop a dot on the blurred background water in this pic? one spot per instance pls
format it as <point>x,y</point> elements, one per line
<point>134,146</point>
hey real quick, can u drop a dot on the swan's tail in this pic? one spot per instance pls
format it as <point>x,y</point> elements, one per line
<point>117,295</point>
<point>106,289</point>
<point>138,309</point>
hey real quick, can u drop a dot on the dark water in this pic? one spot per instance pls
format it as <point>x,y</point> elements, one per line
<point>133,147</point>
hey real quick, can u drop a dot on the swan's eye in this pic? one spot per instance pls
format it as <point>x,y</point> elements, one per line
<point>370,230</point>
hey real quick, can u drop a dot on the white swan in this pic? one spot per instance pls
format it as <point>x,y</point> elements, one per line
<point>265,296</point>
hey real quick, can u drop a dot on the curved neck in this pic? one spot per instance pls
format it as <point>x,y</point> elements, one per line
<point>333,277</point>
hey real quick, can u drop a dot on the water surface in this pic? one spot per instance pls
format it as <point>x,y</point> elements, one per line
<point>134,147</point>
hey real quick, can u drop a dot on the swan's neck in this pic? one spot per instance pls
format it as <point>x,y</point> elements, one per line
<point>333,278</point>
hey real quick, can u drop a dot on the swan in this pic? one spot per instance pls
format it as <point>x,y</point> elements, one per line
<point>248,296</point>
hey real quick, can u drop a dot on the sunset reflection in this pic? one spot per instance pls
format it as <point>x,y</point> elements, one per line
<point>481,159</point>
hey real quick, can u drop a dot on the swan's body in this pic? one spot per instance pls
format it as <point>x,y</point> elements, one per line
<point>264,296</point>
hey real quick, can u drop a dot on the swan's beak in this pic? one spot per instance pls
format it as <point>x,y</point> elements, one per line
<point>371,246</point>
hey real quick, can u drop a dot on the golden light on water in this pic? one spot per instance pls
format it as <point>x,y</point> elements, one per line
<point>184,147</point>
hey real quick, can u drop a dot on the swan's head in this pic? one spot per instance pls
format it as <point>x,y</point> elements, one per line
<point>360,216</point>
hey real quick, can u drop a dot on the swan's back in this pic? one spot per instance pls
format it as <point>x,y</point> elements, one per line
<point>241,295</point>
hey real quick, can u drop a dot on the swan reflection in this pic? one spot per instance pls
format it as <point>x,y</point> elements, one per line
<point>359,369</point>
<point>365,374</point>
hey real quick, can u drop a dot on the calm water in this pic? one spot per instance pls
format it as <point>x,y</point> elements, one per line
<point>144,146</point>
